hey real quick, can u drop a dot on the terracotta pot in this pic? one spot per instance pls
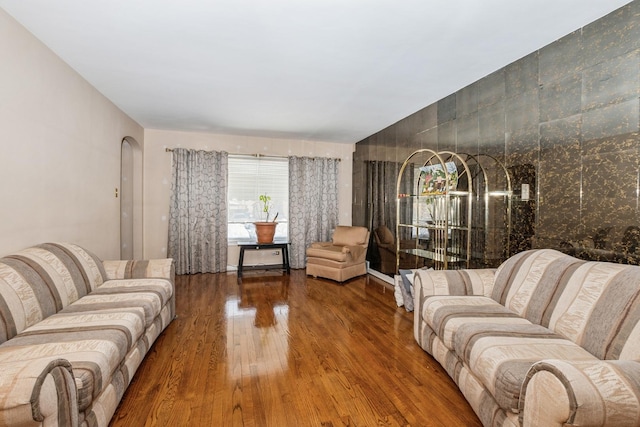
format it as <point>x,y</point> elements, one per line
<point>265,231</point>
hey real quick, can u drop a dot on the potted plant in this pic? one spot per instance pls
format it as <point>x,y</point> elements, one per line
<point>265,230</point>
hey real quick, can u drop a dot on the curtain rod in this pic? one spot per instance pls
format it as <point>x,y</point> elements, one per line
<point>170,150</point>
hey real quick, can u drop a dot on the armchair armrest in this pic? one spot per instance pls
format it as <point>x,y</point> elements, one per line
<point>140,269</point>
<point>38,391</point>
<point>356,251</point>
<point>585,393</point>
<point>454,282</point>
<point>388,246</point>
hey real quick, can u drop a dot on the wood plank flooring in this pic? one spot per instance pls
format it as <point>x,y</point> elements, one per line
<point>289,350</point>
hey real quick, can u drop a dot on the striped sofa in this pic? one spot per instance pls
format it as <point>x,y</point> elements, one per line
<point>73,331</point>
<point>544,340</point>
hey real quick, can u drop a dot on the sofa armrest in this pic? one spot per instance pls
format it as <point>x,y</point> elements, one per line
<point>140,269</point>
<point>454,282</point>
<point>585,393</point>
<point>38,391</point>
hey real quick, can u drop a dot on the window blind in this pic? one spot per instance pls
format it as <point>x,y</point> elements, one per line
<point>248,178</point>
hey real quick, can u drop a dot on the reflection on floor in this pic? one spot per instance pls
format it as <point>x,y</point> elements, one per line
<point>262,302</point>
<point>289,350</point>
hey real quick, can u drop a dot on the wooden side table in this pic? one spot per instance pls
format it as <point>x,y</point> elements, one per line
<point>283,246</point>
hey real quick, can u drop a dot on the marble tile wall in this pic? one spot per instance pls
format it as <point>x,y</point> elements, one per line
<point>565,119</point>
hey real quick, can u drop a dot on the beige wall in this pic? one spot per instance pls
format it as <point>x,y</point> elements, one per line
<point>60,149</point>
<point>60,144</point>
<point>157,176</point>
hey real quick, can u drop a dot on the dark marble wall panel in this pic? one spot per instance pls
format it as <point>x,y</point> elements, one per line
<point>427,139</point>
<point>492,88</point>
<point>522,111</point>
<point>561,98</point>
<point>467,134</point>
<point>491,128</point>
<point>446,136</point>
<point>522,76</point>
<point>407,128</point>
<point>609,186</point>
<point>565,120</point>
<point>559,180</point>
<point>611,82</point>
<point>523,143</point>
<point>612,35</point>
<point>561,59</point>
<point>429,117</point>
<point>387,144</point>
<point>467,100</point>
<point>612,120</point>
<point>446,109</point>
<point>360,183</point>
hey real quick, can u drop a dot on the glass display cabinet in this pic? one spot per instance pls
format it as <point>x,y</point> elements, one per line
<point>454,209</point>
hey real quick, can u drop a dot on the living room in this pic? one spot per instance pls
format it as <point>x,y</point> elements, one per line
<point>564,119</point>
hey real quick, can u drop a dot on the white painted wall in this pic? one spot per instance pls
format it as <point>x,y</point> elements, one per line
<point>60,149</point>
<point>157,178</point>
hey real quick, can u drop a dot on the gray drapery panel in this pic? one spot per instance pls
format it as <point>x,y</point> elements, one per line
<point>198,211</point>
<point>382,177</point>
<point>313,204</point>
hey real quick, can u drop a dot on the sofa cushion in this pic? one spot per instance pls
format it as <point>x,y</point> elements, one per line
<point>96,332</point>
<point>40,281</point>
<point>528,282</point>
<point>96,344</point>
<point>149,295</point>
<point>599,309</point>
<point>445,314</point>
<point>89,265</point>
<point>457,282</point>
<point>500,355</point>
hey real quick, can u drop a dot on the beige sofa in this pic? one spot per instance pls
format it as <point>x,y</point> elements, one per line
<point>343,258</point>
<point>73,331</point>
<point>544,340</point>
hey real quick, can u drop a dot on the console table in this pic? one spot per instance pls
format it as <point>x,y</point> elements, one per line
<point>284,249</point>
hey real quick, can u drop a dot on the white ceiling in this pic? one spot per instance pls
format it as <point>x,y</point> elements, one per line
<point>328,70</point>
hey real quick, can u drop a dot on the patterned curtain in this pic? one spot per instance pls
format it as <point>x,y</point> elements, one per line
<point>198,211</point>
<point>313,204</point>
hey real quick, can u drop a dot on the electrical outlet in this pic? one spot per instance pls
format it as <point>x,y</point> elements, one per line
<point>524,193</point>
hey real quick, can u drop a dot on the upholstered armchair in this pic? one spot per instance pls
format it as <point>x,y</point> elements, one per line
<point>343,257</point>
<point>387,249</point>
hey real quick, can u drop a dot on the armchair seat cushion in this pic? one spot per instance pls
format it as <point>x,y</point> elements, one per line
<point>332,252</point>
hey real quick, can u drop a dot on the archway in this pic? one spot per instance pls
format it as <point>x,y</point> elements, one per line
<point>130,199</point>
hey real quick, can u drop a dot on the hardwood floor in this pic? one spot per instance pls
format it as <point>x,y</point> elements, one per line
<point>282,350</point>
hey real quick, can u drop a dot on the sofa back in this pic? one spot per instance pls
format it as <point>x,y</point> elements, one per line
<point>594,304</point>
<point>40,281</point>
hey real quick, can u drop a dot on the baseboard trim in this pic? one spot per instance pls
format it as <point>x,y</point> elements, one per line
<point>381,276</point>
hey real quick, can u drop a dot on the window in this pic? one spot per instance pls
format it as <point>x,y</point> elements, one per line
<point>249,177</point>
